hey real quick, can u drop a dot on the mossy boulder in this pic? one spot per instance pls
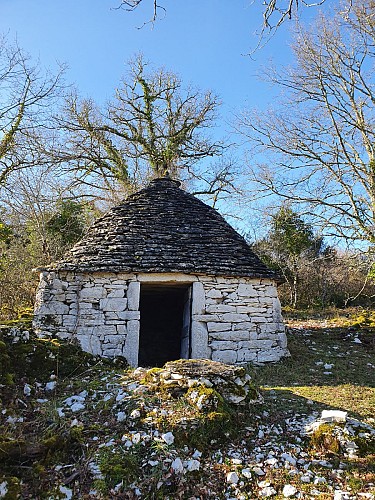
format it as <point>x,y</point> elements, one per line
<point>232,383</point>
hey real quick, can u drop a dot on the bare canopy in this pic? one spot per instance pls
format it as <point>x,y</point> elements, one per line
<point>25,96</point>
<point>316,148</point>
<point>151,124</point>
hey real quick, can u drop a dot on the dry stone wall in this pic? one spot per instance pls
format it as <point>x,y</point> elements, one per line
<point>242,318</point>
<point>234,320</point>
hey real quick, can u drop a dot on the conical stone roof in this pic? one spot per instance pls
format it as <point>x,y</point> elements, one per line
<point>164,229</point>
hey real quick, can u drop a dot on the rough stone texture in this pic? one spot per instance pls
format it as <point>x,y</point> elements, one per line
<point>164,229</point>
<point>109,326</point>
<point>163,235</point>
<point>232,383</point>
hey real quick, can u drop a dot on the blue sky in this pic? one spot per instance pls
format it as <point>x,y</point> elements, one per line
<point>204,41</point>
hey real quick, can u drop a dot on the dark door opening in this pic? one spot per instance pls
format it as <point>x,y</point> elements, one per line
<point>165,324</point>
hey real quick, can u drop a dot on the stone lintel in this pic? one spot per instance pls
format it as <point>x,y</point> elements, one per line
<point>166,278</point>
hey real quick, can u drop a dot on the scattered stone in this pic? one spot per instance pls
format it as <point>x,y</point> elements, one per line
<point>247,473</point>
<point>289,491</point>
<point>232,478</point>
<point>192,465</point>
<point>27,390</point>
<point>121,416</point>
<point>289,458</point>
<point>258,471</point>
<point>168,438</point>
<point>67,492</point>
<point>268,491</point>
<point>50,386</point>
<point>177,465</point>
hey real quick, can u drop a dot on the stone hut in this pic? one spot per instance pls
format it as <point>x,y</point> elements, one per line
<point>163,276</point>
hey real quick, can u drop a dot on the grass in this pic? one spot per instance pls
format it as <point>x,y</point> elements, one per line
<point>301,379</point>
<point>293,389</point>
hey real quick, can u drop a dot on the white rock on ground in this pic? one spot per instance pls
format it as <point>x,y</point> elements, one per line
<point>268,491</point>
<point>232,478</point>
<point>289,490</point>
<point>177,465</point>
<point>334,416</point>
<point>168,438</point>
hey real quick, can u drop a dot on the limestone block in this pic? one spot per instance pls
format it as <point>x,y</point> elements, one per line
<point>271,291</point>
<point>133,295</point>
<point>95,292</point>
<point>198,298</point>
<point>110,316</point>
<point>246,344</point>
<point>85,305</point>
<point>262,344</point>
<point>209,301</point>
<point>166,278</point>
<point>130,350</point>
<point>115,304</point>
<point>199,341</point>
<point>246,356</point>
<point>229,357</point>
<point>221,345</point>
<point>89,322</point>
<point>206,317</point>
<point>235,318</point>
<point>245,290</point>
<point>59,297</point>
<point>245,325</point>
<point>235,335</point>
<point>69,320</point>
<point>277,316</point>
<point>112,352</point>
<point>214,294</point>
<point>71,297</point>
<point>269,336</point>
<point>121,329</point>
<point>271,355</point>
<point>103,330</point>
<point>220,308</point>
<point>269,328</point>
<point>114,340</point>
<point>90,314</point>
<point>90,343</point>
<point>282,340</point>
<point>119,279</point>
<point>129,315</point>
<point>255,310</point>
<point>218,327</point>
<point>57,308</point>
<point>258,319</point>
<point>57,285</point>
<point>102,281</point>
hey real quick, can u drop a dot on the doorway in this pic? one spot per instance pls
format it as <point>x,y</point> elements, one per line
<point>165,323</point>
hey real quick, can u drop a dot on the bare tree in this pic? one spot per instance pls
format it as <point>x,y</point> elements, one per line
<point>275,12</point>
<point>151,126</point>
<point>317,147</point>
<point>26,94</point>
